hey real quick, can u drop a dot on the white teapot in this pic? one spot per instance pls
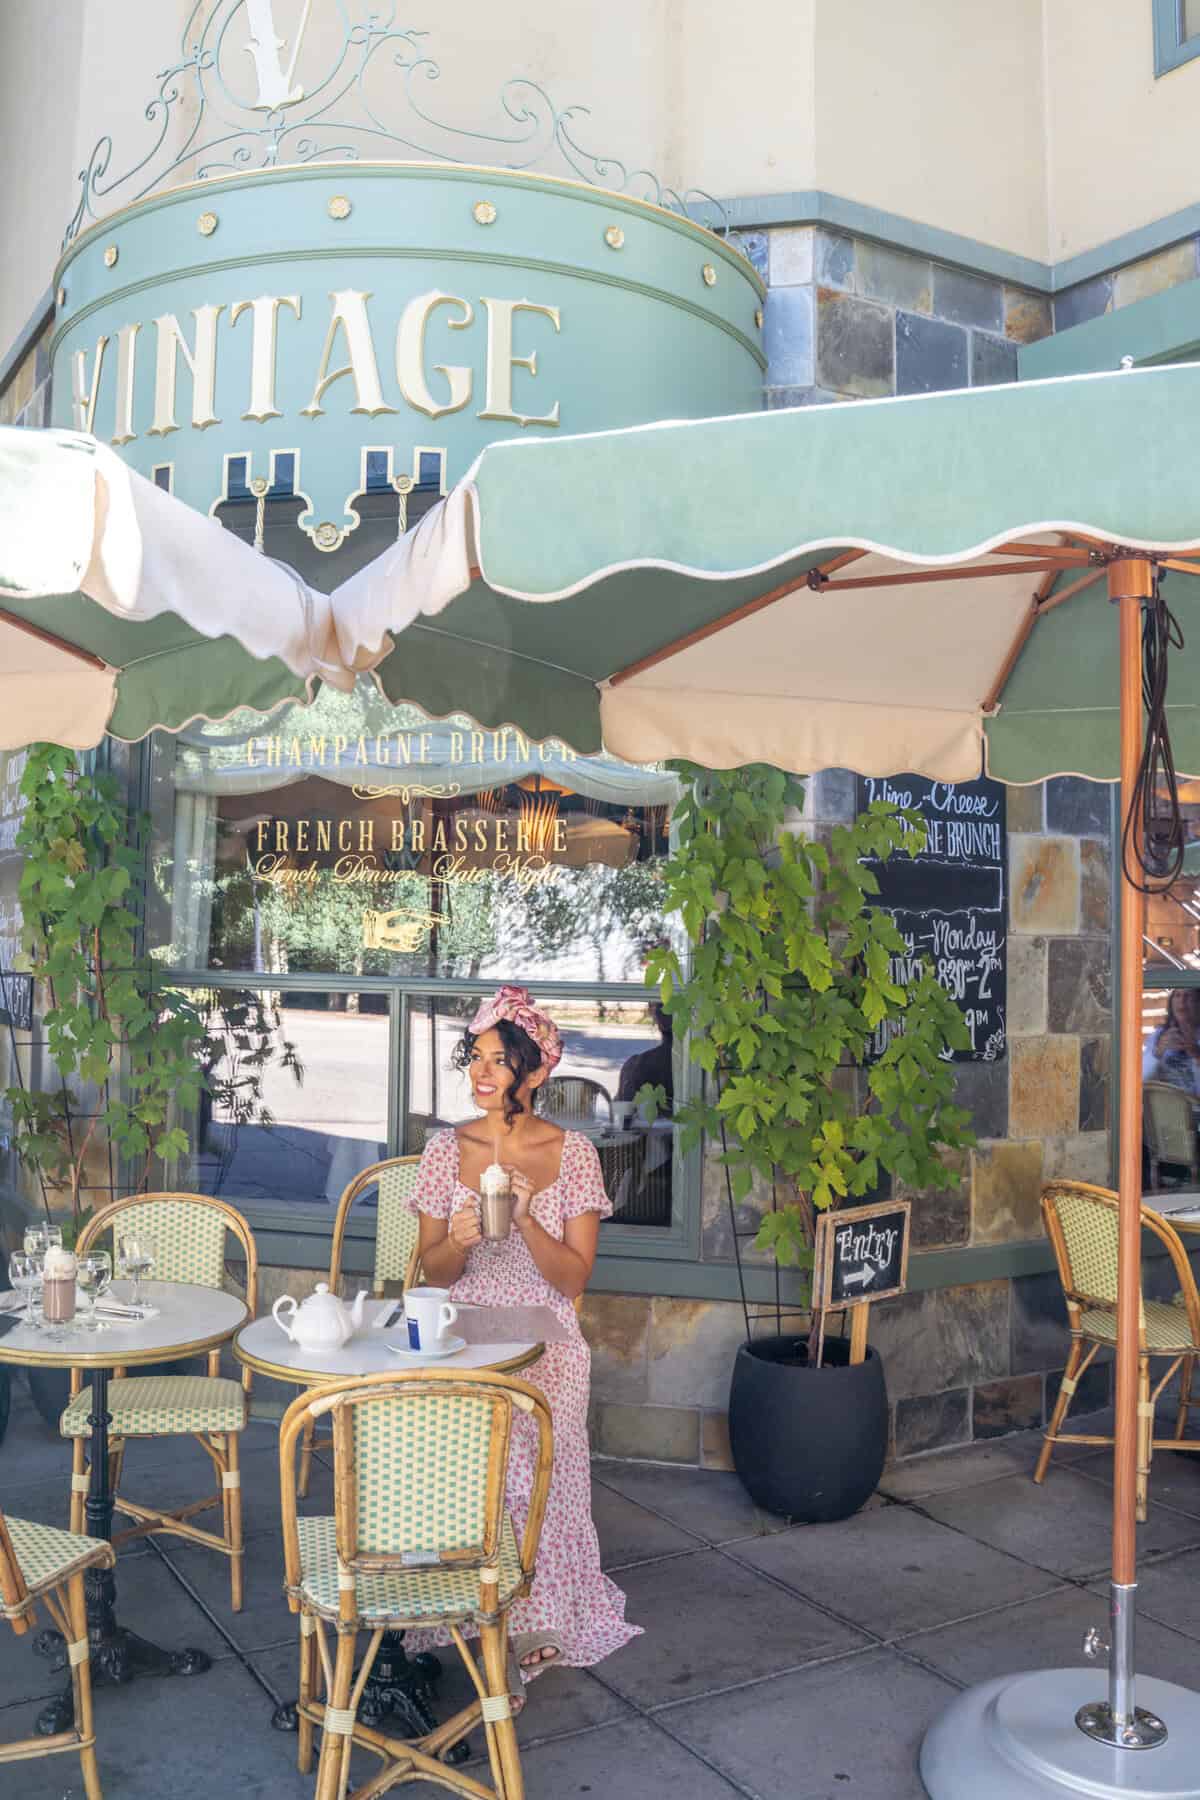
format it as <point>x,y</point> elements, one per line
<point>321,1322</point>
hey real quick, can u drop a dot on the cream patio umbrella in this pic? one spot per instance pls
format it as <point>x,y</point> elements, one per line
<point>123,610</point>
<point>924,584</point>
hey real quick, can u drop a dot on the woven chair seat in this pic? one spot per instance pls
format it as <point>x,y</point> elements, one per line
<point>161,1406</point>
<point>424,1594</point>
<point>1167,1331</point>
<point>46,1556</point>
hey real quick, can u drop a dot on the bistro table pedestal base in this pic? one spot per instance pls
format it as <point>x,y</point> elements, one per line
<point>1015,1738</point>
<point>117,1656</point>
<point>400,1688</point>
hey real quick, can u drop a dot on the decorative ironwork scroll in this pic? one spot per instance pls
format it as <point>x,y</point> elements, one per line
<point>235,100</point>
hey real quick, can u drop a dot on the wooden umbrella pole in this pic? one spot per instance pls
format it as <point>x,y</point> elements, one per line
<point>1129,582</point>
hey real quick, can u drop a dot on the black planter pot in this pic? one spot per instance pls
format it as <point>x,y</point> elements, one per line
<point>808,1444</point>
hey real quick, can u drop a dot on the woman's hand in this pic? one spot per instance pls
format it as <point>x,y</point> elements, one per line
<point>465,1231</point>
<point>522,1192</point>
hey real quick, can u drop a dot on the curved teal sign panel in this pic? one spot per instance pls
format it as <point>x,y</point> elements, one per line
<point>331,329</point>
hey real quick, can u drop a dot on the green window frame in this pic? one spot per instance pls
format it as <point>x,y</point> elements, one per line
<point>1171,47</point>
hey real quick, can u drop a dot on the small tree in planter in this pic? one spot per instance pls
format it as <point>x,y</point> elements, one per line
<point>790,977</point>
<point>131,1056</point>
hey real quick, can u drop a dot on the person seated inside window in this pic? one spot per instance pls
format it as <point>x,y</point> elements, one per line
<point>1173,1052</point>
<point>651,1067</point>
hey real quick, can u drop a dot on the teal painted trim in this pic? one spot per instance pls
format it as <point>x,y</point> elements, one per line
<point>341,173</point>
<point>813,206</point>
<point>1171,48</point>
<point>1163,328</point>
<point>399,253</point>
<point>26,338</point>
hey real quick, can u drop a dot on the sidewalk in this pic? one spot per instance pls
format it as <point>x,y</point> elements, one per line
<point>778,1663</point>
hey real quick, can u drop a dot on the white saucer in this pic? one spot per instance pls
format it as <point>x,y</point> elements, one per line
<point>448,1347</point>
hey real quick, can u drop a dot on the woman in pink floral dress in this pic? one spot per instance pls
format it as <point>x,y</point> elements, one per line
<point>573,1614</point>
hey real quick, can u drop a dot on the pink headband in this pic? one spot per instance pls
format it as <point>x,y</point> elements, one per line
<point>515,1005</point>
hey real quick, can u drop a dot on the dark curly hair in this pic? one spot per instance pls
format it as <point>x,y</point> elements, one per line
<point>521,1053</point>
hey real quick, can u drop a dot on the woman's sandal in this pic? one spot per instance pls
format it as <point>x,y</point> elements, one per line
<point>544,1647</point>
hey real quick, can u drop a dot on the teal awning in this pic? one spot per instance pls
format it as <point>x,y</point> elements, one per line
<point>556,568</point>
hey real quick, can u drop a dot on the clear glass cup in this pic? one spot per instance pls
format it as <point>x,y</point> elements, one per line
<point>24,1271</point>
<point>93,1276</point>
<point>135,1251</point>
<point>40,1235</point>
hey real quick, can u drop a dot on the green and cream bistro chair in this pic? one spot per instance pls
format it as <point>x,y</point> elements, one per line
<point>1082,1225</point>
<point>420,1536</point>
<point>396,1233</point>
<point>189,1232</point>
<point>40,1566</point>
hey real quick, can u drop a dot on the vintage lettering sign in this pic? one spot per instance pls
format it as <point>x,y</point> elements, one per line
<point>861,1255</point>
<point>951,902</point>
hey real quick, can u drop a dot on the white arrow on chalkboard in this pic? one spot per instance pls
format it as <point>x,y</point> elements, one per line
<point>858,1277</point>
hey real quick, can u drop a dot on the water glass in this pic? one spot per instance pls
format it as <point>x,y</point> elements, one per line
<point>40,1236</point>
<point>24,1271</point>
<point>93,1276</point>
<point>136,1253</point>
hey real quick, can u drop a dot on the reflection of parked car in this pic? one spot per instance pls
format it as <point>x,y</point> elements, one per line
<point>575,1097</point>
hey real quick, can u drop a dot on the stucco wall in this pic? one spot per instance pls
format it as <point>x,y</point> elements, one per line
<point>1122,149</point>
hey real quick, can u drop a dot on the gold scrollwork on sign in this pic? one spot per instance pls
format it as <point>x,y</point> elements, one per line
<point>406,790</point>
<point>405,929</point>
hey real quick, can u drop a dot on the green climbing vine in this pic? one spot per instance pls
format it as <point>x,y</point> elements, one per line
<point>791,974</point>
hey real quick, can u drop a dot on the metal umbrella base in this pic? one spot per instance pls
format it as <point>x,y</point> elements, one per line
<point>1017,1738</point>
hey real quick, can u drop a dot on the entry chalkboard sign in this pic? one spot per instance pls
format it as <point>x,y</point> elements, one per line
<point>950,903</point>
<point>861,1255</point>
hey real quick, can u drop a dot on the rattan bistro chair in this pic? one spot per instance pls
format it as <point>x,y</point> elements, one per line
<point>1169,1125</point>
<point>420,1536</point>
<point>42,1566</point>
<point>566,1097</point>
<point>396,1233</point>
<point>1082,1225</point>
<point>189,1233</point>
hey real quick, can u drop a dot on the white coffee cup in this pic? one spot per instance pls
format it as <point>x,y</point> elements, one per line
<point>622,1114</point>
<point>428,1313</point>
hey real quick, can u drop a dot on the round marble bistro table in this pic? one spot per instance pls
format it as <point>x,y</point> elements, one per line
<point>399,1685</point>
<point>189,1320</point>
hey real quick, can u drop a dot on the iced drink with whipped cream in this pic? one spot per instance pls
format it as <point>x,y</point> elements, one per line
<point>495,1191</point>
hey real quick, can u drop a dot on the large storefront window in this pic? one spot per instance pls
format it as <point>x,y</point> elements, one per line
<point>354,841</point>
<point>1170,1046</point>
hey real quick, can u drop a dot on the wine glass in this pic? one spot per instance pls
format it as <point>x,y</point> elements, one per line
<point>24,1267</point>
<point>136,1252</point>
<point>93,1276</point>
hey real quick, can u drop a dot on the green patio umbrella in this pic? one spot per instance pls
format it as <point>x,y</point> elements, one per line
<point>122,609</point>
<point>929,584</point>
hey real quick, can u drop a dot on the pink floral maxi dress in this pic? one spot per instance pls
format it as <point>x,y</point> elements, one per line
<point>570,1595</point>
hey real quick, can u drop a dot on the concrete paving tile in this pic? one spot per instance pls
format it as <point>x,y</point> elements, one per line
<point>894,1571</point>
<point>946,1470</point>
<point>711,1624</point>
<point>1065,1526</point>
<point>1048,1633</point>
<point>264,1619</point>
<point>1174,1477</point>
<point>561,1701</point>
<point>1169,1592</point>
<point>208,1736</point>
<point>709,1502</point>
<point>863,1721</point>
<point>628,1533</point>
<point>634,1760</point>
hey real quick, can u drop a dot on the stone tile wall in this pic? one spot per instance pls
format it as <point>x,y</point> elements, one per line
<point>1135,281</point>
<point>849,319</point>
<point>25,399</point>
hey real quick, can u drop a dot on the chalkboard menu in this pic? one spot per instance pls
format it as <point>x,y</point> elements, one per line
<point>951,902</point>
<point>861,1255</point>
